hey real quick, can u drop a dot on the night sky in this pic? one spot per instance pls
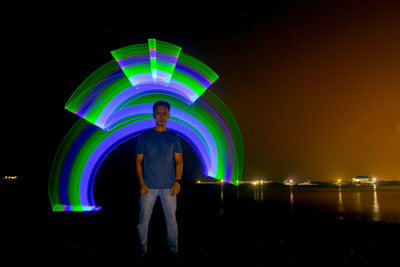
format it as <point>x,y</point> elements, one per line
<point>314,85</point>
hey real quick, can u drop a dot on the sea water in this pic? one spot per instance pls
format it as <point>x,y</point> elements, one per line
<point>380,202</point>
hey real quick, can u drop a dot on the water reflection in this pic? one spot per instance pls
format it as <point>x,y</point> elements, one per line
<point>340,200</point>
<point>291,198</point>
<point>375,206</point>
<point>222,192</point>
<point>345,201</point>
<point>357,201</point>
<point>258,193</point>
<point>221,211</point>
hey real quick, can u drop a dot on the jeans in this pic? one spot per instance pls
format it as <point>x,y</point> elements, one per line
<point>168,203</point>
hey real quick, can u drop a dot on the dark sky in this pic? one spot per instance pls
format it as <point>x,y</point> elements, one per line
<point>314,85</point>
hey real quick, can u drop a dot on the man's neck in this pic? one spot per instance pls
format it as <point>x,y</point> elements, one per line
<point>160,128</point>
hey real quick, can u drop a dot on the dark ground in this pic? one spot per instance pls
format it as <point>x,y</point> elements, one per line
<point>234,233</point>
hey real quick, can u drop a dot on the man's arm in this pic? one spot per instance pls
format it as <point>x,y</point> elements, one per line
<point>139,171</point>
<point>178,165</point>
<point>178,173</point>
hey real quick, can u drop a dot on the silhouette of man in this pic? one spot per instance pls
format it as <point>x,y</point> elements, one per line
<point>160,151</point>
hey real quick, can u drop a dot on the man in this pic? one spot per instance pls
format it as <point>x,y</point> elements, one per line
<point>160,151</point>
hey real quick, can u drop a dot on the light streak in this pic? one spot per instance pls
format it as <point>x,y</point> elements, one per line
<point>115,104</point>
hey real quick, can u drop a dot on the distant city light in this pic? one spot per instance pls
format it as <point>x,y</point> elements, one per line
<point>10,177</point>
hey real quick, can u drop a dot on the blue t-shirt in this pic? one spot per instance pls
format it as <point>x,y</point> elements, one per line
<point>158,149</point>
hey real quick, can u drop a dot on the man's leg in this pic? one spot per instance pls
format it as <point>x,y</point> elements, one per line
<point>169,207</point>
<point>146,208</point>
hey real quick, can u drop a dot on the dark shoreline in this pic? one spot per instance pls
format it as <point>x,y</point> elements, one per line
<point>232,233</point>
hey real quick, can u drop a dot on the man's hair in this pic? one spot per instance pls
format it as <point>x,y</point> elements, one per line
<point>161,103</point>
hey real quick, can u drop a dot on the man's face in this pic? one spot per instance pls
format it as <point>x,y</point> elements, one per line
<point>161,114</point>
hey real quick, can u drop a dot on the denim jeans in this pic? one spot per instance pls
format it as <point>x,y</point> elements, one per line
<point>168,203</point>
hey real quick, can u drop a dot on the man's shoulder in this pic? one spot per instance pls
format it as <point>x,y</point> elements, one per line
<point>144,135</point>
<point>173,133</point>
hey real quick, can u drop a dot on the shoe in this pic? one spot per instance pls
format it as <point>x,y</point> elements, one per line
<point>142,257</point>
<point>174,258</point>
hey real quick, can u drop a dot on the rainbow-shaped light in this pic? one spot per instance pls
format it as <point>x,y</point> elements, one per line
<point>116,104</point>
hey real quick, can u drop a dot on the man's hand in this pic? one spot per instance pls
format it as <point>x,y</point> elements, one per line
<point>176,188</point>
<point>143,189</point>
